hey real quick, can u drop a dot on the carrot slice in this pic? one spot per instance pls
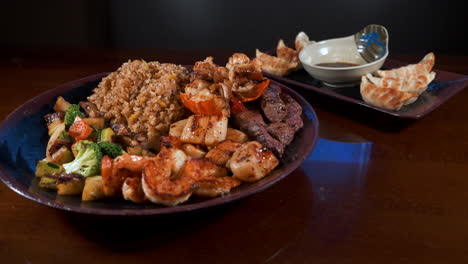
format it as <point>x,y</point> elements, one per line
<point>80,130</point>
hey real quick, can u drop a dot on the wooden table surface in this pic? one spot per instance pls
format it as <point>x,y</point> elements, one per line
<point>376,189</point>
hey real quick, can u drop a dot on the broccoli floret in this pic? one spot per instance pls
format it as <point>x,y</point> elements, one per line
<point>72,112</point>
<point>111,149</point>
<point>87,161</point>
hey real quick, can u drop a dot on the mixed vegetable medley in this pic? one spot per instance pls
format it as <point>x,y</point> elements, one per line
<point>74,152</point>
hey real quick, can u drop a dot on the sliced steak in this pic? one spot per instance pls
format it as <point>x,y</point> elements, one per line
<point>293,112</point>
<point>90,109</point>
<point>272,105</point>
<point>281,131</point>
<point>254,126</point>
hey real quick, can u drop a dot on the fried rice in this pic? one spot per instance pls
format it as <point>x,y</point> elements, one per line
<point>143,96</point>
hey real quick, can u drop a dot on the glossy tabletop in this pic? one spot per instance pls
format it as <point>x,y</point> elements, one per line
<point>376,189</point>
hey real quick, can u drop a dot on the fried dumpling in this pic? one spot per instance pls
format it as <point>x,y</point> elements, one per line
<point>411,84</point>
<point>302,40</point>
<point>286,59</point>
<point>387,98</point>
<point>412,70</point>
<point>274,65</point>
<point>287,54</point>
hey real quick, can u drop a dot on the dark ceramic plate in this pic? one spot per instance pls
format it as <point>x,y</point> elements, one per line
<point>445,85</point>
<point>23,138</point>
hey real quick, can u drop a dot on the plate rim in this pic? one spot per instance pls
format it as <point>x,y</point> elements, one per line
<point>217,201</point>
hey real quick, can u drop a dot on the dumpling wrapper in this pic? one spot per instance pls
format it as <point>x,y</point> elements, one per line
<point>287,54</point>
<point>286,59</point>
<point>391,99</point>
<point>274,65</point>
<point>422,68</point>
<point>302,40</point>
<point>411,84</point>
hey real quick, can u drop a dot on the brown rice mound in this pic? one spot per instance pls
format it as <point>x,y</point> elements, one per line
<point>144,96</point>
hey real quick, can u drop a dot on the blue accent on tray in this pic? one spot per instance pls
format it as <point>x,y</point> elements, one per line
<point>436,86</point>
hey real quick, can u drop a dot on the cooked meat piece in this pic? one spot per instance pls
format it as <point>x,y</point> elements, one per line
<point>120,129</point>
<point>254,126</point>
<point>293,112</point>
<point>217,75</point>
<point>198,76</point>
<point>220,154</point>
<point>252,161</point>
<point>64,177</point>
<point>236,135</point>
<point>124,141</point>
<point>171,142</point>
<point>207,70</point>
<point>176,128</point>
<point>203,70</point>
<point>147,142</point>
<point>139,141</point>
<point>90,109</point>
<point>281,131</point>
<point>206,130</point>
<point>132,190</point>
<point>212,180</point>
<point>273,107</point>
<point>50,118</point>
<point>141,137</point>
<point>193,151</point>
<point>58,144</point>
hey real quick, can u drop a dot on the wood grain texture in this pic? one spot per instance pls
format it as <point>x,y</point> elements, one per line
<point>376,190</point>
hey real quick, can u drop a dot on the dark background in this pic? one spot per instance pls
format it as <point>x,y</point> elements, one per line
<point>414,26</point>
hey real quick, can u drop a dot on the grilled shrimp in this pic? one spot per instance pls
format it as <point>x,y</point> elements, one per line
<point>220,154</point>
<point>132,190</point>
<point>193,151</point>
<point>170,142</point>
<point>252,161</point>
<point>212,180</point>
<point>114,172</point>
<point>162,180</point>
